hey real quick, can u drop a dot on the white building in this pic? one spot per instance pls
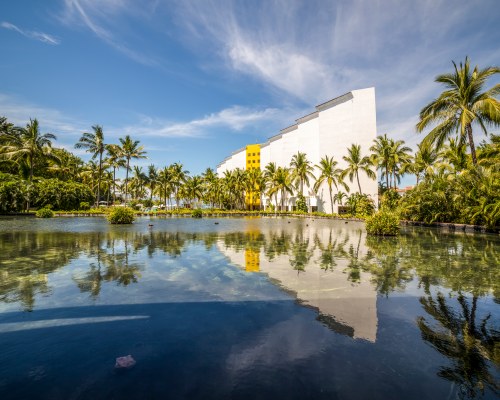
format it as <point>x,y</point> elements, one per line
<point>330,130</point>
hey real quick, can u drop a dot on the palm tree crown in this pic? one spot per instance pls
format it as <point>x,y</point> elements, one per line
<point>329,174</point>
<point>355,163</point>
<point>462,103</point>
<point>301,170</point>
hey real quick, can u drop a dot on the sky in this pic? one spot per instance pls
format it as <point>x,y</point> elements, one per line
<point>195,80</point>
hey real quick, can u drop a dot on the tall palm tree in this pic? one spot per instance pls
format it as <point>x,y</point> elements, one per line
<point>166,184</point>
<point>269,177</point>
<point>94,143</point>
<point>355,163</point>
<point>210,186</point>
<point>462,104</point>
<point>255,186</point>
<point>178,177</point>
<point>282,183</point>
<point>329,174</point>
<point>399,155</point>
<point>424,160</point>
<point>130,149</point>
<point>381,155</point>
<point>301,170</point>
<point>115,160</point>
<point>152,180</point>
<point>28,145</point>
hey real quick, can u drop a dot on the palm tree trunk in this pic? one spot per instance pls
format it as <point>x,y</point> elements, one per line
<point>359,185</point>
<point>331,198</point>
<point>114,185</point>
<point>468,130</point>
<point>99,180</point>
<point>387,176</point>
<point>126,180</point>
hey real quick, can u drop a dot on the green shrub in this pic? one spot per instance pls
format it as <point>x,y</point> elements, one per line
<point>121,215</point>
<point>383,223</point>
<point>84,205</point>
<point>301,203</point>
<point>197,213</point>
<point>60,194</point>
<point>44,213</point>
<point>147,203</point>
<point>12,195</point>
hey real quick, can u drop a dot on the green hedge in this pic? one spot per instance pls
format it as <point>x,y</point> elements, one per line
<point>383,223</point>
<point>121,215</point>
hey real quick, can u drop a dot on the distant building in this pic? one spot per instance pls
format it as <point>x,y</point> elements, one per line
<point>329,130</point>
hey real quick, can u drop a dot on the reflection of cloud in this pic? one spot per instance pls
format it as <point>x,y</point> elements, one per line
<point>56,323</point>
<point>40,36</point>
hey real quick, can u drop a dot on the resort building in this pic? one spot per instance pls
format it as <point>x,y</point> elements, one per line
<point>328,131</point>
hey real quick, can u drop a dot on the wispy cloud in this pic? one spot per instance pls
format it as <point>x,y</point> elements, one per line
<point>235,118</point>
<point>312,51</point>
<point>96,16</point>
<point>40,36</point>
<point>20,112</point>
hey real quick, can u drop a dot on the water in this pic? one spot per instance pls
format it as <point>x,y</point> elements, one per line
<point>246,308</point>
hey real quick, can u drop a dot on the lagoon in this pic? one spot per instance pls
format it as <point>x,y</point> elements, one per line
<point>246,308</point>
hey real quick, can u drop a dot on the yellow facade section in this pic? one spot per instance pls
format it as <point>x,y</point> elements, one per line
<point>252,200</point>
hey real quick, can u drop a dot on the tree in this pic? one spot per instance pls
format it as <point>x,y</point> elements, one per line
<point>115,160</point>
<point>355,163</point>
<point>178,177</point>
<point>130,149</point>
<point>329,174</point>
<point>301,170</point>
<point>399,155</point>
<point>94,143</point>
<point>462,104</point>
<point>28,145</point>
<point>152,180</point>
<point>381,155</point>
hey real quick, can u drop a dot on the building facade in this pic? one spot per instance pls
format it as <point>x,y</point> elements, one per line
<point>328,131</point>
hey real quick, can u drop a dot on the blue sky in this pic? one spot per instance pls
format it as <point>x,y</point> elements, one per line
<point>195,80</point>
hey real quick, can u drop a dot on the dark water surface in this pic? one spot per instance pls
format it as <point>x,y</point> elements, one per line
<point>246,309</point>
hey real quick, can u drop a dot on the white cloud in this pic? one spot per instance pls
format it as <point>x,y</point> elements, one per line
<point>234,118</point>
<point>40,36</point>
<point>98,16</point>
<point>20,112</point>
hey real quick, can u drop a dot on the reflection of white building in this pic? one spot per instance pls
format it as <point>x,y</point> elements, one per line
<point>345,307</point>
<point>329,130</point>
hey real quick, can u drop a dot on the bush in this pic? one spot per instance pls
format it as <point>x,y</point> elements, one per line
<point>301,203</point>
<point>61,195</point>
<point>12,195</point>
<point>121,215</point>
<point>197,213</point>
<point>84,205</point>
<point>383,223</point>
<point>45,212</point>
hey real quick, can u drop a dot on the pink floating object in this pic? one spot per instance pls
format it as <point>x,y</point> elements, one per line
<point>125,362</point>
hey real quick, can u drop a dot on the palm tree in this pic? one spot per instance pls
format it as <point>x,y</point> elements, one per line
<point>152,180</point>
<point>269,176</point>
<point>255,185</point>
<point>381,155</point>
<point>399,155</point>
<point>194,189</point>
<point>115,160</point>
<point>282,183</point>
<point>301,170</point>
<point>28,145</point>
<point>178,177</point>
<point>138,182</point>
<point>94,143</point>
<point>210,185</point>
<point>424,160</point>
<point>355,163</point>
<point>130,149</point>
<point>462,104</point>
<point>330,175</point>
<point>166,184</point>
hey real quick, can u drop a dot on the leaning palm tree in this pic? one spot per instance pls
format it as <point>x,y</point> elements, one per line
<point>355,163</point>
<point>94,144</point>
<point>462,104</point>
<point>130,149</point>
<point>329,174</point>
<point>301,170</point>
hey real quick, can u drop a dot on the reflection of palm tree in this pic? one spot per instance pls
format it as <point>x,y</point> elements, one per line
<point>300,253</point>
<point>331,251</point>
<point>91,282</point>
<point>470,348</point>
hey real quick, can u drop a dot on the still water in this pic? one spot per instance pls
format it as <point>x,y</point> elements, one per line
<point>258,308</point>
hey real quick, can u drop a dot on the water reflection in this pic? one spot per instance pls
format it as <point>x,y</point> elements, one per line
<point>470,344</point>
<point>331,267</point>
